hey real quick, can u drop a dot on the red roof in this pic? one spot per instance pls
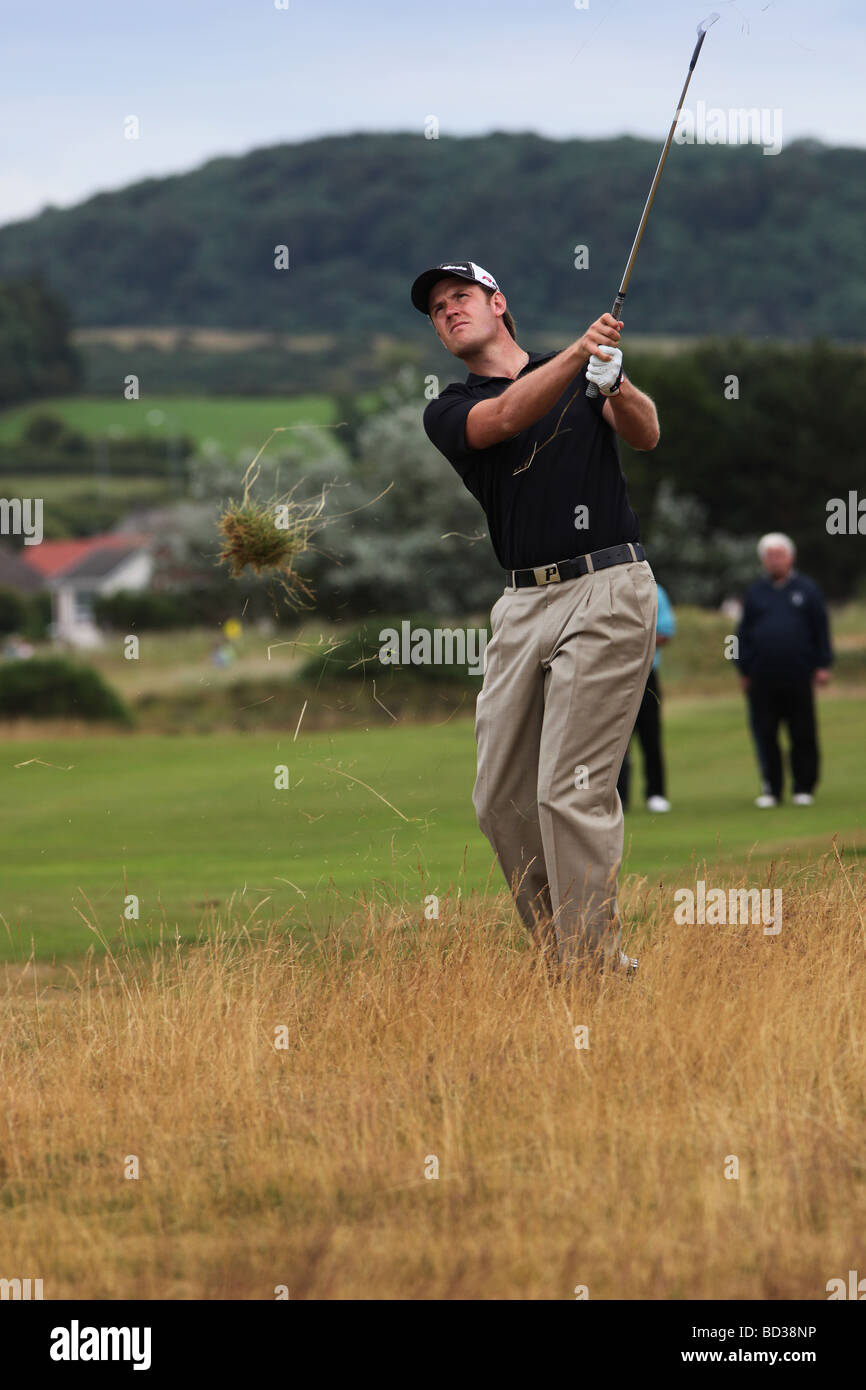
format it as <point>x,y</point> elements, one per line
<point>53,557</point>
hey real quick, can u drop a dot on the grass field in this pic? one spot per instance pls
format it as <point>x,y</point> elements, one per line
<point>231,422</point>
<point>409,1109</point>
<point>285,1073</point>
<point>288,1076</point>
<point>195,827</point>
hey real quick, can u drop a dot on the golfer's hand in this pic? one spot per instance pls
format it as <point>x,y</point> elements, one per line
<point>822,677</point>
<point>604,371</point>
<point>745,682</point>
<point>602,334</point>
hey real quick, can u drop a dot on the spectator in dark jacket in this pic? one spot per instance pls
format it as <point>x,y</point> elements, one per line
<point>784,649</point>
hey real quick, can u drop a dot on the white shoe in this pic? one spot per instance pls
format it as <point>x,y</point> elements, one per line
<point>803,799</point>
<point>658,803</point>
<point>764,801</point>
<point>627,963</point>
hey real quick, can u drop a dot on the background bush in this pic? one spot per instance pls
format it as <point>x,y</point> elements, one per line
<point>52,687</point>
<point>26,615</point>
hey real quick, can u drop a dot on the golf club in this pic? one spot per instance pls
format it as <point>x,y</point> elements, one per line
<point>592,389</point>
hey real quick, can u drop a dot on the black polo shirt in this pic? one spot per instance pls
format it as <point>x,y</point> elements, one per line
<point>532,510</point>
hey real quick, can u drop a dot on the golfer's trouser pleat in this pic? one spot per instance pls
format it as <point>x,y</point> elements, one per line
<point>566,669</point>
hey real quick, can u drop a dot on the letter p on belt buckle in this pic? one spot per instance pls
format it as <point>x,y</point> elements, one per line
<point>547,574</point>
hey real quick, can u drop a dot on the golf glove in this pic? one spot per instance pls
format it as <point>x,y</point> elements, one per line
<point>606,375</point>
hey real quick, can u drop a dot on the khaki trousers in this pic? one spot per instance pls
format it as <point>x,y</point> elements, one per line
<point>565,673</point>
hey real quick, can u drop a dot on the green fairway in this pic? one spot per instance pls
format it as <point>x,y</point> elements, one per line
<point>230,422</point>
<point>187,822</point>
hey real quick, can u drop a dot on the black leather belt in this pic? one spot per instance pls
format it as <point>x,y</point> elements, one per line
<point>581,564</point>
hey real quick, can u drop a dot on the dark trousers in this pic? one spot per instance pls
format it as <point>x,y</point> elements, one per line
<point>649,731</point>
<point>756,738</point>
<point>773,702</point>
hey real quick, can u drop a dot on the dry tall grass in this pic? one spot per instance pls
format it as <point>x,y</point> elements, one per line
<point>558,1166</point>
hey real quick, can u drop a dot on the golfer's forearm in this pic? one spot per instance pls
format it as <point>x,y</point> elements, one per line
<point>634,417</point>
<point>526,400</point>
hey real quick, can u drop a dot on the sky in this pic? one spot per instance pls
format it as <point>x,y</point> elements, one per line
<point>213,77</point>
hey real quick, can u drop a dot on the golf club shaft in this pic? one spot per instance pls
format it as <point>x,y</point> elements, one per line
<point>592,389</point>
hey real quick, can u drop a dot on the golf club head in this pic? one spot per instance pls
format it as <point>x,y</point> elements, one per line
<point>702,34</point>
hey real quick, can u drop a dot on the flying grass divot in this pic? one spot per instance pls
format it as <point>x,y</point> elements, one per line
<point>269,537</point>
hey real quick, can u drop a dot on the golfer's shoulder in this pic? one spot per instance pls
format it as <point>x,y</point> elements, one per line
<point>447,410</point>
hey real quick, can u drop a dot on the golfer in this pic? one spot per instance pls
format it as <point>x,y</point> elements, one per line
<point>573,632</point>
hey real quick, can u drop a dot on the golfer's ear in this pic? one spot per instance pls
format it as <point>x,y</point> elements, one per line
<point>498,300</point>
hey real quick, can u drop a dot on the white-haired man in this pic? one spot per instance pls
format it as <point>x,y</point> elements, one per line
<point>784,649</point>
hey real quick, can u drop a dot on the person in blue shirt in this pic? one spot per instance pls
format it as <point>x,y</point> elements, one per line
<point>784,650</point>
<point>648,722</point>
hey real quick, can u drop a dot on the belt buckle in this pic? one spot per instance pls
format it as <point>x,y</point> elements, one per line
<point>547,574</point>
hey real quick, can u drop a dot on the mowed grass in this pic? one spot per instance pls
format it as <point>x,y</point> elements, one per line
<point>196,829</point>
<point>58,490</point>
<point>232,423</point>
<point>401,1110</point>
<point>181,660</point>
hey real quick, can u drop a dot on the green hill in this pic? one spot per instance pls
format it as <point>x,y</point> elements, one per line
<point>739,242</point>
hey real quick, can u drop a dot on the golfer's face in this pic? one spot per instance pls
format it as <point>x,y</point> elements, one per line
<point>461,315</point>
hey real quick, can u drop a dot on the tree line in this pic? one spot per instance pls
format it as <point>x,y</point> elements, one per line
<point>36,354</point>
<point>754,438</point>
<point>738,242</point>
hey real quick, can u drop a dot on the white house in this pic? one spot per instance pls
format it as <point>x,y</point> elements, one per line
<point>77,571</point>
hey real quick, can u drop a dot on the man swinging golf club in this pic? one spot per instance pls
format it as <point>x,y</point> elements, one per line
<point>573,631</point>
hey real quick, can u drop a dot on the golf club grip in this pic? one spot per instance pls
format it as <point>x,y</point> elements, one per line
<point>591,388</point>
<point>697,53</point>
